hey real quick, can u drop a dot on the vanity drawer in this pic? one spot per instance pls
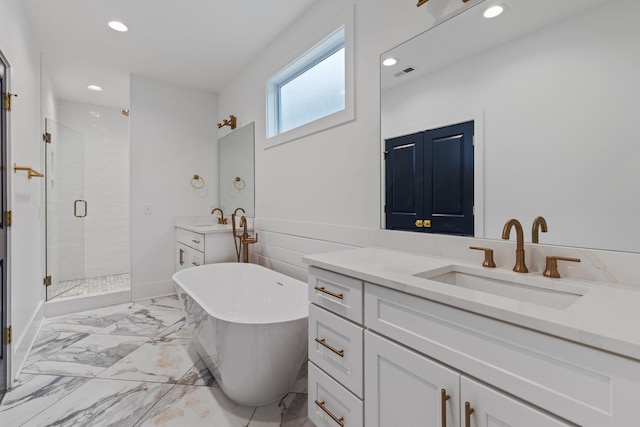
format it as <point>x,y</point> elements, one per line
<point>337,293</point>
<point>340,351</point>
<point>191,239</point>
<point>187,257</point>
<point>336,400</point>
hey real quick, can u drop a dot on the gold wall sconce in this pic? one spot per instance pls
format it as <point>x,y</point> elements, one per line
<point>231,122</point>
<point>30,172</point>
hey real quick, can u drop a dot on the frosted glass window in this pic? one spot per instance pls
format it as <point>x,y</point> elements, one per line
<point>316,93</point>
<point>310,88</point>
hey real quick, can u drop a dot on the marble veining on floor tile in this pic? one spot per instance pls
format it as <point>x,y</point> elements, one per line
<point>131,364</point>
<point>86,357</point>
<point>33,394</point>
<point>161,361</point>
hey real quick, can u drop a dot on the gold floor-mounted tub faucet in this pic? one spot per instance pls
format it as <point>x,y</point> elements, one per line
<point>245,239</point>
<point>520,266</point>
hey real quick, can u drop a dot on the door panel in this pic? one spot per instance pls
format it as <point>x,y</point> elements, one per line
<point>494,409</point>
<point>66,207</point>
<point>449,197</point>
<point>404,172</point>
<point>404,388</point>
<point>3,231</point>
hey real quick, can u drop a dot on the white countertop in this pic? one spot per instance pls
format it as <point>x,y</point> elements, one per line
<point>606,316</point>
<point>206,228</point>
<point>208,224</point>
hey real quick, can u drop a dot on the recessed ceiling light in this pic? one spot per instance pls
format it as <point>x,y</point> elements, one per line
<point>118,26</point>
<point>94,88</point>
<point>493,11</point>
<point>389,62</point>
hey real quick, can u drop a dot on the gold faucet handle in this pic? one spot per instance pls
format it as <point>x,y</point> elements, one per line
<point>488,256</point>
<point>551,267</point>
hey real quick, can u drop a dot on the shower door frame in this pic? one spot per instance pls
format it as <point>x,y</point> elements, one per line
<point>54,170</point>
<point>5,317</point>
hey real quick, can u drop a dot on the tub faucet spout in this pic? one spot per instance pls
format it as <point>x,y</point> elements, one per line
<point>520,266</point>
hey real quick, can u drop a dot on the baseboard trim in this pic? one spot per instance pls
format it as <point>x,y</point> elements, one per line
<point>23,346</point>
<point>62,306</point>
<point>152,290</point>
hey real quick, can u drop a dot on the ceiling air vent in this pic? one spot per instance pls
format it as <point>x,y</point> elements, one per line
<point>405,71</point>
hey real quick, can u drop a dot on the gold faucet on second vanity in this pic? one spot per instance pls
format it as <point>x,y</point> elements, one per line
<point>221,218</point>
<point>520,266</point>
<point>538,224</point>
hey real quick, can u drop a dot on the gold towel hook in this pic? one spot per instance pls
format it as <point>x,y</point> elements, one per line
<point>30,172</point>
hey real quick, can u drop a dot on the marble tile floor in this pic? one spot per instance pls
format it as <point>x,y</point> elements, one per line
<point>131,365</point>
<point>90,286</point>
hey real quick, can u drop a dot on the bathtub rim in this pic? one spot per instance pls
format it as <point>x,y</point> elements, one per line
<point>206,307</point>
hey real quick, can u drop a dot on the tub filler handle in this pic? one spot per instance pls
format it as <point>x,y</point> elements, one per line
<point>324,344</point>
<point>333,294</point>
<point>339,421</point>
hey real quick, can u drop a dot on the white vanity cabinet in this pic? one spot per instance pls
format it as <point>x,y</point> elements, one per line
<point>382,357</point>
<point>195,248</point>
<point>335,388</point>
<point>405,388</point>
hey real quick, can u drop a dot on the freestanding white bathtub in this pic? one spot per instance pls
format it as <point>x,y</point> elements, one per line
<point>249,326</point>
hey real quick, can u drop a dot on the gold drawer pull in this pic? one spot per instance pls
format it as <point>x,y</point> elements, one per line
<point>443,401</point>
<point>333,294</point>
<point>195,241</point>
<point>195,263</point>
<point>340,420</point>
<point>181,257</point>
<point>323,343</point>
<point>468,410</point>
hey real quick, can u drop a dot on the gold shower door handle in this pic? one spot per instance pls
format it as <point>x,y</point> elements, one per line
<point>75,208</point>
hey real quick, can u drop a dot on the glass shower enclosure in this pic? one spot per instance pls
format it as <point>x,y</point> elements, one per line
<point>66,208</point>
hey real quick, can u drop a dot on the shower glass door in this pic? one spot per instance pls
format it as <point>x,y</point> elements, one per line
<point>66,208</point>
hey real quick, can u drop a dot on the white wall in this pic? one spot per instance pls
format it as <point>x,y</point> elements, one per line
<point>105,132</point>
<point>322,192</point>
<point>173,137</point>
<point>19,46</point>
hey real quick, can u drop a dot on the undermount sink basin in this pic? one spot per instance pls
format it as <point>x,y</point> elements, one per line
<point>533,290</point>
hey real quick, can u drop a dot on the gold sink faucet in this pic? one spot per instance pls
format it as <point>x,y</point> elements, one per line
<point>538,224</point>
<point>520,266</point>
<point>221,218</point>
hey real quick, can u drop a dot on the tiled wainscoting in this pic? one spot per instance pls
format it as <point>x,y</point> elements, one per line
<point>131,365</point>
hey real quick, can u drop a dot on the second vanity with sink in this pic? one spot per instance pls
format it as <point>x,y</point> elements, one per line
<point>199,241</point>
<point>397,339</point>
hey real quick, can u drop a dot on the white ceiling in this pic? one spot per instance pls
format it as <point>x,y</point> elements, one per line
<point>197,43</point>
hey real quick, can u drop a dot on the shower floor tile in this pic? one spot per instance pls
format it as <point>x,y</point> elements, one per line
<point>131,365</point>
<point>90,286</point>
